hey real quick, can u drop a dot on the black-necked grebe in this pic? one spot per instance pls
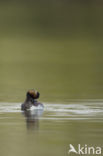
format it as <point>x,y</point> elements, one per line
<point>31,103</point>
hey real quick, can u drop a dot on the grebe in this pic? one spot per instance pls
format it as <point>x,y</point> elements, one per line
<point>31,103</point>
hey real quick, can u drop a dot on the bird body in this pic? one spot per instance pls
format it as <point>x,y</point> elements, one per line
<point>31,103</point>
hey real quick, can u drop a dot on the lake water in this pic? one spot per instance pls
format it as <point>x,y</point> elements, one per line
<point>55,47</point>
<point>50,132</point>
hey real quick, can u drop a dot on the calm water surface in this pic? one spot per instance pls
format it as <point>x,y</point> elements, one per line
<point>50,132</point>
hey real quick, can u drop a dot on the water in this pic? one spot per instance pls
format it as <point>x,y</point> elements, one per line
<point>55,47</point>
<point>50,132</point>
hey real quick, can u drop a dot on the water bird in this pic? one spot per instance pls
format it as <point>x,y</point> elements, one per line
<point>31,102</point>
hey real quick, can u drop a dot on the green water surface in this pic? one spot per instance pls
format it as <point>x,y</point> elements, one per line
<point>55,47</point>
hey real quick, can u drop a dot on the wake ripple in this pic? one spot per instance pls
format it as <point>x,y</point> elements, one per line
<point>71,111</point>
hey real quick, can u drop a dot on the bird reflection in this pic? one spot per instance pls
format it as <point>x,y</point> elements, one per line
<point>32,119</point>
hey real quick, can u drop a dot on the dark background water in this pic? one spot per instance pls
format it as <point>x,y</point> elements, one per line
<point>53,46</point>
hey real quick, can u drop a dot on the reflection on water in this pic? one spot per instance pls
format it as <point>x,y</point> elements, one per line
<point>55,128</point>
<point>32,119</point>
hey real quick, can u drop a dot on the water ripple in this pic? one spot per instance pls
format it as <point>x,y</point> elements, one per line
<point>70,111</point>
